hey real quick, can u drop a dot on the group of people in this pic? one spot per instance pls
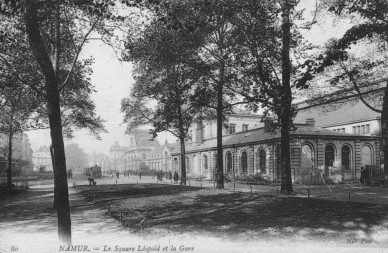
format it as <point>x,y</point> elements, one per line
<point>169,176</point>
<point>159,175</point>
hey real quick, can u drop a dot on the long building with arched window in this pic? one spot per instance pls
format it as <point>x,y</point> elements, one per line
<point>317,154</point>
<point>332,142</point>
<point>335,137</point>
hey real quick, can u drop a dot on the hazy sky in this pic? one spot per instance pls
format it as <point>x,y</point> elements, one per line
<point>112,80</point>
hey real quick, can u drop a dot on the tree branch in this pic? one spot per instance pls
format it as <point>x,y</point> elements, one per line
<point>78,52</point>
<point>358,90</point>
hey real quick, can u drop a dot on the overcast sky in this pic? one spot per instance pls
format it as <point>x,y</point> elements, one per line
<point>112,80</point>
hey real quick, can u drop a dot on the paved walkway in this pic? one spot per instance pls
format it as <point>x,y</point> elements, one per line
<point>28,223</point>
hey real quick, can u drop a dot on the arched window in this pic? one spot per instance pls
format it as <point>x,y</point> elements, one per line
<point>329,155</point>
<point>262,161</point>
<point>366,155</point>
<point>194,165</point>
<point>244,162</point>
<point>229,162</point>
<point>307,158</point>
<point>346,157</point>
<point>205,164</point>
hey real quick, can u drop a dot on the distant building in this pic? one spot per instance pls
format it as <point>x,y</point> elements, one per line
<point>21,153</point>
<point>42,159</point>
<point>143,151</point>
<point>101,160</point>
<point>117,159</point>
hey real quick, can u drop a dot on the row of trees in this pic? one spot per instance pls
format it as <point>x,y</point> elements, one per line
<point>202,58</point>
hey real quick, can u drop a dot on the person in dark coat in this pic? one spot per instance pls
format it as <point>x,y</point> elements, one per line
<point>169,175</point>
<point>117,174</point>
<point>363,175</point>
<point>176,177</point>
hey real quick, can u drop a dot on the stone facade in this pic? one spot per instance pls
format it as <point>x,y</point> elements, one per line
<point>317,155</point>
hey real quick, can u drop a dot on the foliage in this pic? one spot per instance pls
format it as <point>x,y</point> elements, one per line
<point>362,72</point>
<point>56,32</point>
<point>169,72</point>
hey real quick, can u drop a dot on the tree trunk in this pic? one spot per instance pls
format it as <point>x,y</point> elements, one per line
<point>384,129</point>
<point>55,178</point>
<point>285,117</point>
<point>55,61</point>
<point>183,160</point>
<point>9,167</point>
<point>220,110</point>
<point>182,137</point>
<point>54,114</point>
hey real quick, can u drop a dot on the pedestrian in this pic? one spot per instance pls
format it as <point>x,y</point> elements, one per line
<point>117,174</point>
<point>140,175</point>
<point>176,177</point>
<point>363,176</point>
<point>169,175</point>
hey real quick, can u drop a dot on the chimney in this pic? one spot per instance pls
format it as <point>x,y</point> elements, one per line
<point>310,122</point>
<point>268,124</point>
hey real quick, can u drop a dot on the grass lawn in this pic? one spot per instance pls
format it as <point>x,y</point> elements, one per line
<point>157,211</point>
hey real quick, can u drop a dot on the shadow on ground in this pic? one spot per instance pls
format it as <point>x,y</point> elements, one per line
<point>106,192</point>
<point>241,215</point>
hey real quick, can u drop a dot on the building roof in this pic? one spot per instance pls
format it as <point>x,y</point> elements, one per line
<point>260,135</point>
<point>342,107</point>
<point>327,115</point>
<point>117,148</point>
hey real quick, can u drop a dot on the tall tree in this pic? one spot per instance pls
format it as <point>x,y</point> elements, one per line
<point>43,23</point>
<point>169,73</point>
<point>218,50</point>
<point>21,75</point>
<point>269,70</point>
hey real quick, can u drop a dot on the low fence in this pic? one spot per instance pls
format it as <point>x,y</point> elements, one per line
<point>374,175</point>
<point>17,184</point>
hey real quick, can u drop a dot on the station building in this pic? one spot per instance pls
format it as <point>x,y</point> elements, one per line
<point>333,140</point>
<point>317,154</point>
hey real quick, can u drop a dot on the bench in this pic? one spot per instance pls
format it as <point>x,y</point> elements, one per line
<point>91,181</point>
